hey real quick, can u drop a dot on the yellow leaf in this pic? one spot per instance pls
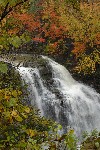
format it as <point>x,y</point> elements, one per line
<point>1,108</point>
<point>10,119</point>
<point>71,131</point>
<point>1,46</point>
<point>14,113</point>
<point>1,95</point>
<point>18,118</point>
<point>3,22</point>
<point>31,132</point>
<point>23,114</point>
<point>14,93</point>
<point>19,92</point>
<point>27,109</point>
<point>7,97</point>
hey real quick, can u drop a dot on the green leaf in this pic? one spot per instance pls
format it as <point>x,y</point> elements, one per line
<point>59,127</point>
<point>22,144</point>
<point>3,67</point>
<point>6,114</point>
<point>15,41</point>
<point>12,102</point>
<point>12,2</point>
<point>3,2</point>
<point>27,38</point>
<point>97,145</point>
<point>24,115</point>
<point>19,119</point>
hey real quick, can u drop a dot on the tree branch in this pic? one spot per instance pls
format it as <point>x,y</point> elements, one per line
<point>5,12</point>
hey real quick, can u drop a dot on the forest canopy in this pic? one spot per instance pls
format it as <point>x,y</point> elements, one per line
<point>58,27</point>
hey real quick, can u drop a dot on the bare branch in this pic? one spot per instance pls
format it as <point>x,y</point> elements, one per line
<point>6,12</point>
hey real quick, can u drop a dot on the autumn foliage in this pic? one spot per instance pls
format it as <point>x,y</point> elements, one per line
<point>48,24</point>
<point>51,25</point>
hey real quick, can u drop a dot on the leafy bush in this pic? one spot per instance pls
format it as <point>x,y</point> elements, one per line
<point>91,141</point>
<point>21,126</point>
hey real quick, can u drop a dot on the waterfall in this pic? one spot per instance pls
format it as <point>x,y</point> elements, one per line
<point>61,98</point>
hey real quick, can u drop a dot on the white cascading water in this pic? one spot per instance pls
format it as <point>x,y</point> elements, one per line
<point>28,76</point>
<point>79,106</point>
